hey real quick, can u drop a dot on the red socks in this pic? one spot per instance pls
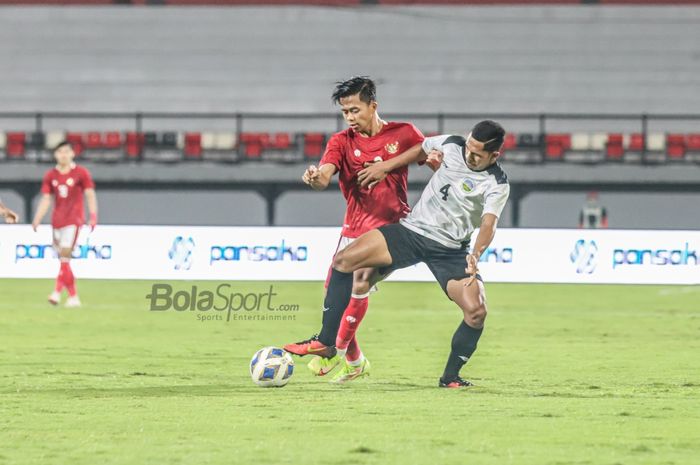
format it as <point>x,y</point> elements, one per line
<point>354,313</point>
<point>66,279</point>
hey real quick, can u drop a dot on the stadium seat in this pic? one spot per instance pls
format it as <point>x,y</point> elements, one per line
<point>252,145</point>
<point>53,138</point>
<point>36,140</point>
<point>556,145</point>
<point>282,141</point>
<point>193,146</point>
<point>314,145</point>
<point>675,146</point>
<point>75,139</point>
<point>93,141</point>
<point>614,147</point>
<point>692,145</point>
<point>134,144</point>
<point>15,146</point>
<point>3,140</point>
<point>112,140</point>
<point>655,148</point>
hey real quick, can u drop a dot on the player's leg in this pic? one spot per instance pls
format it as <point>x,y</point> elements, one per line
<point>471,299</point>
<point>55,296</point>
<point>69,236</point>
<point>449,268</point>
<point>369,250</point>
<point>356,365</point>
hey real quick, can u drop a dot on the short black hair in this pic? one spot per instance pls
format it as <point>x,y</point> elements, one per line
<point>63,143</point>
<point>490,133</point>
<point>361,85</point>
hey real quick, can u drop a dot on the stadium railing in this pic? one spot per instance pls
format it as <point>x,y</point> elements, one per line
<point>103,137</point>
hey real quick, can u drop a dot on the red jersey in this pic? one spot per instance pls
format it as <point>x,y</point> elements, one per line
<point>67,190</point>
<point>386,202</point>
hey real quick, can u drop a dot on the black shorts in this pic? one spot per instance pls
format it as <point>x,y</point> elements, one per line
<point>408,248</point>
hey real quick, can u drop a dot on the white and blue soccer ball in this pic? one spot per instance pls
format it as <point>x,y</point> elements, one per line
<point>271,367</point>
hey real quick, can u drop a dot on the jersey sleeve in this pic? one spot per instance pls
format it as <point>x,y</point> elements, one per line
<point>333,153</point>
<point>433,143</point>
<point>495,199</point>
<point>46,183</point>
<point>87,181</point>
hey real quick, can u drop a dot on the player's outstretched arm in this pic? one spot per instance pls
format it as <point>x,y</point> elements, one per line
<point>42,208</point>
<point>375,172</point>
<point>487,231</point>
<point>92,207</point>
<point>319,178</point>
<point>10,216</point>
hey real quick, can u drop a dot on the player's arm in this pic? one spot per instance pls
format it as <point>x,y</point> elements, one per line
<point>319,178</point>
<point>9,215</point>
<point>375,172</point>
<point>487,231</point>
<point>41,210</point>
<point>91,198</point>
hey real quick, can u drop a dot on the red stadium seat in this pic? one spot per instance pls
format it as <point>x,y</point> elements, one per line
<point>614,148</point>
<point>253,144</point>
<point>193,145</point>
<point>636,142</point>
<point>112,140</point>
<point>75,139</point>
<point>282,141</point>
<point>134,143</point>
<point>556,145</point>
<point>693,143</point>
<point>93,140</point>
<point>313,145</point>
<point>675,146</point>
<point>16,145</point>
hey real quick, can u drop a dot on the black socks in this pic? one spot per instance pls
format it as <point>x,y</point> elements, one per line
<point>463,346</point>
<point>337,299</point>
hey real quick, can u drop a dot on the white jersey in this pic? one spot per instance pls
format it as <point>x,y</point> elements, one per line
<point>452,204</point>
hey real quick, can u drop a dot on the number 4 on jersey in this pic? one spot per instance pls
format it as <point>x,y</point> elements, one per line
<point>445,191</point>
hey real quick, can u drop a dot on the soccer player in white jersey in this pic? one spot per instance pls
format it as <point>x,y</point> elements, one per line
<point>467,192</point>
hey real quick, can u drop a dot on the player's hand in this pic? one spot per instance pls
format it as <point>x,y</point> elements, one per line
<point>373,173</point>
<point>434,159</point>
<point>11,217</point>
<point>311,175</point>
<point>472,268</point>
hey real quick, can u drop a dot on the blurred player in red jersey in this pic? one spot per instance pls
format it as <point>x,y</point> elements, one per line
<point>66,182</point>
<point>369,139</point>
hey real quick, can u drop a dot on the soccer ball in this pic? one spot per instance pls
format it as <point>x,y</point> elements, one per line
<point>271,367</point>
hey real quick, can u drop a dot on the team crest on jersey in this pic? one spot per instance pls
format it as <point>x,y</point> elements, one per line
<point>357,152</point>
<point>392,148</point>
<point>69,182</point>
<point>54,183</point>
<point>467,185</point>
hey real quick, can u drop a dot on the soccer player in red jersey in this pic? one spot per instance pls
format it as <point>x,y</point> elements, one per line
<point>66,182</point>
<point>369,139</point>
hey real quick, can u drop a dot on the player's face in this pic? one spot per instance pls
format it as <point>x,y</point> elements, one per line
<point>358,114</point>
<point>478,159</point>
<point>64,155</point>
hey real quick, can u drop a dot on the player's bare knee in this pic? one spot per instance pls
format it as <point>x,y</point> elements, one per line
<point>475,315</point>
<point>342,263</point>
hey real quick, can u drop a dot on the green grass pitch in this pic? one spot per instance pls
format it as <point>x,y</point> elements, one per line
<point>565,374</point>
